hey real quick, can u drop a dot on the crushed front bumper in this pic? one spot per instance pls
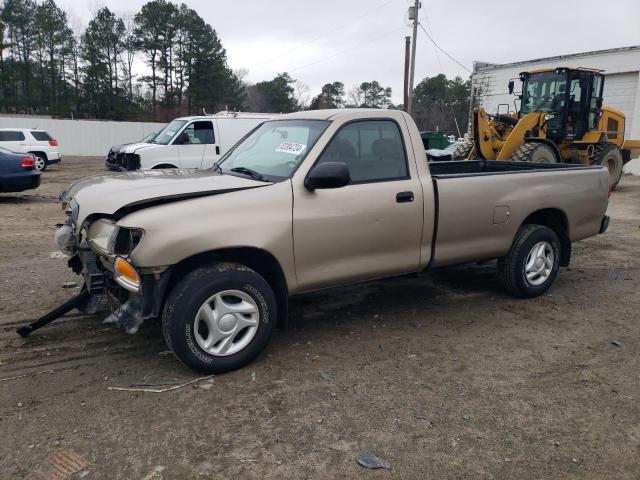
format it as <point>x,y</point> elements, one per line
<point>132,308</point>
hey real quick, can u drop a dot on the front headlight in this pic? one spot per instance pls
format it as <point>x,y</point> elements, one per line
<point>126,275</point>
<point>106,238</point>
<point>126,240</point>
<point>101,235</point>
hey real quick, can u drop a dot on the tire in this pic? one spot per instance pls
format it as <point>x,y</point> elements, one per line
<point>516,269</point>
<point>462,151</point>
<point>200,309</point>
<point>41,162</point>
<point>534,152</point>
<point>609,156</point>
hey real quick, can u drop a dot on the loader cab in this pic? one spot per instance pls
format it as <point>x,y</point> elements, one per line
<point>570,99</point>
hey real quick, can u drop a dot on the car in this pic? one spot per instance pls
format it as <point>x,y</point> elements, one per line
<point>113,158</point>
<point>39,143</point>
<point>18,172</point>
<point>189,142</point>
<point>308,201</point>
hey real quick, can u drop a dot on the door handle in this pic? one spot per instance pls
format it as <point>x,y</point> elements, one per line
<point>404,197</point>
<point>217,150</point>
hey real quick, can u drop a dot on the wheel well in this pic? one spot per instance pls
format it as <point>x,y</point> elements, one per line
<point>557,221</point>
<point>164,165</point>
<point>256,259</point>
<point>44,155</point>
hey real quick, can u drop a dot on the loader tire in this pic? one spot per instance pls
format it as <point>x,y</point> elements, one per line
<point>462,152</point>
<point>534,152</point>
<point>609,156</point>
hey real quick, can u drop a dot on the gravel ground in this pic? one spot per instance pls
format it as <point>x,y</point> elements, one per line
<point>441,374</point>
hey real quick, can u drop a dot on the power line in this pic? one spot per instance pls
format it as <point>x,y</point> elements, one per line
<point>315,39</point>
<point>435,50</point>
<point>347,50</point>
<point>439,48</point>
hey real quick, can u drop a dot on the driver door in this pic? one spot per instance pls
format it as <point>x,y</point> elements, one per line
<point>371,228</point>
<point>193,141</point>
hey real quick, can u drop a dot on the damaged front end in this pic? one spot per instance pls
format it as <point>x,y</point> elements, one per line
<point>100,251</point>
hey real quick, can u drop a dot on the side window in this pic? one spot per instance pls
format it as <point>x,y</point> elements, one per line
<point>11,136</point>
<point>197,133</point>
<point>373,150</point>
<point>41,136</point>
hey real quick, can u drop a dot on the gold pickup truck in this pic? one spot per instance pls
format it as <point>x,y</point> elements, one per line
<point>312,200</point>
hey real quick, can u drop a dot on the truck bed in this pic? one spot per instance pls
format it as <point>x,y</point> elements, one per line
<point>466,168</point>
<point>481,204</point>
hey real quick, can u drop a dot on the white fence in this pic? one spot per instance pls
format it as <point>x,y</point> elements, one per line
<point>84,137</point>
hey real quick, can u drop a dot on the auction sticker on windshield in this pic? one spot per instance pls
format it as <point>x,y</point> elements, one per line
<point>292,148</point>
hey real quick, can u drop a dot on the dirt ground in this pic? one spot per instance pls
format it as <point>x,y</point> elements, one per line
<point>441,374</point>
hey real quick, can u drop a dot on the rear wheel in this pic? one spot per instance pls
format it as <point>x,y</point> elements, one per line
<point>534,152</point>
<point>608,155</point>
<point>532,263</point>
<point>219,318</point>
<point>41,162</point>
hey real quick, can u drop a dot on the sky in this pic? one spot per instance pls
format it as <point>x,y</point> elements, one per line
<point>352,41</point>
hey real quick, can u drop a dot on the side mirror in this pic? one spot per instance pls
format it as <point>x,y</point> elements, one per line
<point>511,86</point>
<point>328,175</point>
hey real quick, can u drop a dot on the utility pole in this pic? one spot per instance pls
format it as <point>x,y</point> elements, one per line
<point>407,63</point>
<point>413,15</point>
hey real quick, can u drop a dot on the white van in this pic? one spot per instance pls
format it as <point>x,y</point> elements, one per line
<point>189,142</point>
<point>36,142</point>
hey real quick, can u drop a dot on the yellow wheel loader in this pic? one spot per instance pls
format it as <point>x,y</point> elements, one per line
<point>561,120</point>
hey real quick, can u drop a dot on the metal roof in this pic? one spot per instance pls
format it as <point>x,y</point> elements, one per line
<point>496,66</point>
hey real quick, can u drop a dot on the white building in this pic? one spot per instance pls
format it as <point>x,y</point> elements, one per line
<point>621,86</point>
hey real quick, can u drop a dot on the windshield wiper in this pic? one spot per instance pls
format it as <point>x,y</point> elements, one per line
<point>217,168</point>
<point>247,171</point>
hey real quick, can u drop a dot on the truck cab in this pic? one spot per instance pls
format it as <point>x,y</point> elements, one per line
<point>571,99</point>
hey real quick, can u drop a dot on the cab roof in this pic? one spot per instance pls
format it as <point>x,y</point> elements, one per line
<point>547,70</point>
<point>332,114</point>
<point>225,115</point>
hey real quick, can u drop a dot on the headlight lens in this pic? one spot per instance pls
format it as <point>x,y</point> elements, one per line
<point>126,275</point>
<point>106,238</point>
<point>101,235</point>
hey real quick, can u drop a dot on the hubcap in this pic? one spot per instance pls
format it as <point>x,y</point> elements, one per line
<point>539,263</point>
<point>39,163</point>
<point>226,323</point>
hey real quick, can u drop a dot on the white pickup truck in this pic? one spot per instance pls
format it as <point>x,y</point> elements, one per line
<point>188,142</point>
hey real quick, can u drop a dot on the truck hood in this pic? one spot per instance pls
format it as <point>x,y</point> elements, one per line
<point>132,147</point>
<point>122,193</point>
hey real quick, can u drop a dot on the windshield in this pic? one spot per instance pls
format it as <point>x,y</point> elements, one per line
<point>149,138</point>
<point>275,148</point>
<point>543,92</point>
<point>168,132</point>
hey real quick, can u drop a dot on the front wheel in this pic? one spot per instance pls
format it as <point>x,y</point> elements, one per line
<point>219,318</point>
<point>532,263</point>
<point>535,153</point>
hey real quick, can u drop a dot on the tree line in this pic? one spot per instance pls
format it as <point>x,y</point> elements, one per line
<point>50,66</point>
